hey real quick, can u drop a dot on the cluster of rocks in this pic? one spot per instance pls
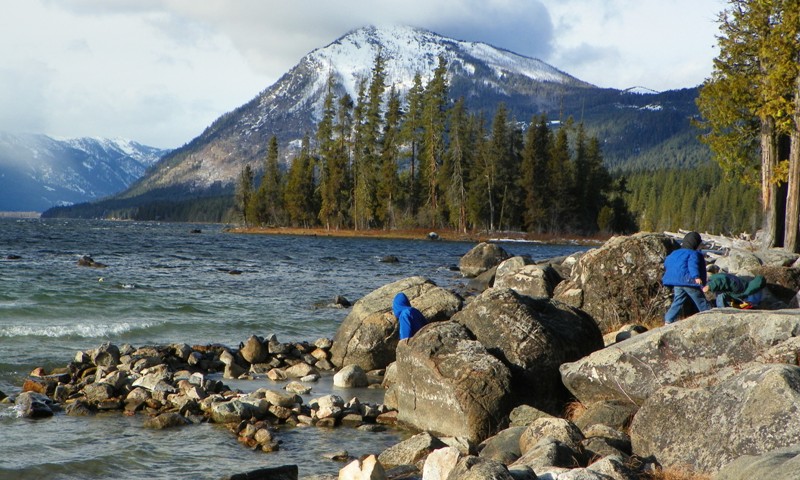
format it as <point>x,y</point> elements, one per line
<point>172,386</point>
<point>535,371</point>
<point>530,336</point>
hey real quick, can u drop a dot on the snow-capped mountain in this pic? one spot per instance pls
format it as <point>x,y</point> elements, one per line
<point>38,172</point>
<point>292,106</point>
<point>629,125</point>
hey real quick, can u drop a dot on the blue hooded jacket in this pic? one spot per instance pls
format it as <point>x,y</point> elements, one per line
<point>409,318</point>
<point>681,268</point>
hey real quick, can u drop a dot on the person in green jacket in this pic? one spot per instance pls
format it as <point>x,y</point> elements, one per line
<point>736,291</point>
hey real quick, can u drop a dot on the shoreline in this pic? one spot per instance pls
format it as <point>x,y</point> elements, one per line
<point>447,235</point>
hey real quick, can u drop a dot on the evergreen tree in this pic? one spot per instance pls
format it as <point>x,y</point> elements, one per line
<point>559,173</point>
<point>534,179</point>
<point>300,193</point>
<point>330,175</point>
<point>361,171</point>
<point>388,190</point>
<point>244,193</point>
<point>412,135</point>
<point>341,166</point>
<point>268,198</point>
<point>496,167</point>
<point>457,165</point>
<point>748,105</point>
<point>434,120</point>
<point>591,181</point>
<point>482,181</point>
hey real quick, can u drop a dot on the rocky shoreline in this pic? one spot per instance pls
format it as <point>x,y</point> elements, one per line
<point>548,370</point>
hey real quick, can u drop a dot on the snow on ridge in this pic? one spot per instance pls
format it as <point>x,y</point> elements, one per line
<point>639,90</point>
<point>412,50</point>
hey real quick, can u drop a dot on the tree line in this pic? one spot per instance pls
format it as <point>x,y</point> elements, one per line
<point>382,161</point>
<point>698,198</point>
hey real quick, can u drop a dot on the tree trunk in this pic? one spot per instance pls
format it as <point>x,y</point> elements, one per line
<point>791,241</point>
<point>773,224</point>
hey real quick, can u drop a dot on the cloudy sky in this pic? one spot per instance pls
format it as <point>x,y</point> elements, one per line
<point>160,71</point>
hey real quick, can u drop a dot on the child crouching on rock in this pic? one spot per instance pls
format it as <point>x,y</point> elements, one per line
<point>733,291</point>
<point>685,271</point>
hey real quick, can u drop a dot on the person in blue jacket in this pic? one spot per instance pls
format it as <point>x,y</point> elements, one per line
<point>685,271</point>
<point>409,318</point>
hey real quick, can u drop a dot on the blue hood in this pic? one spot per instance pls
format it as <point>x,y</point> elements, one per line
<point>400,303</point>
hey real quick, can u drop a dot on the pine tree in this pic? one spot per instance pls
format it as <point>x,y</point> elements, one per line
<point>300,193</point>
<point>388,189</point>
<point>748,108</point>
<point>458,165</point>
<point>434,120</point>
<point>411,133</point>
<point>482,182</point>
<point>268,198</point>
<point>560,176</point>
<point>534,174</point>
<point>330,177</point>
<point>244,192</point>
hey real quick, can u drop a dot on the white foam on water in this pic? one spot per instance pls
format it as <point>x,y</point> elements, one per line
<point>79,330</point>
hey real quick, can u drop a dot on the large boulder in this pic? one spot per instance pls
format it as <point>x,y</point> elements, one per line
<point>369,334</point>
<point>696,350</point>
<point>620,282</point>
<point>448,384</point>
<point>481,258</point>
<point>34,405</point>
<point>749,413</point>
<point>783,283</point>
<point>533,337</point>
<point>531,280</point>
<point>780,464</point>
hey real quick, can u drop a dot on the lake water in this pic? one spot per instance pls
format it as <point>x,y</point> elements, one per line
<point>164,284</point>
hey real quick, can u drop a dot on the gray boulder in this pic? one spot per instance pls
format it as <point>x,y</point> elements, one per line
<point>620,282</point>
<point>746,414</point>
<point>531,280</point>
<point>783,283</point>
<point>612,413</point>
<point>481,258</point>
<point>166,420</point>
<point>369,334</point>
<point>511,265</point>
<point>533,337</point>
<point>699,349</point>
<point>254,350</point>
<point>477,468</point>
<point>410,451</point>
<point>739,262</point>
<point>351,376</point>
<point>548,452</point>
<point>448,384</point>
<point>34,405</point>
<point>778,464</point>
<point>555,428</point>
<point>503,447</point>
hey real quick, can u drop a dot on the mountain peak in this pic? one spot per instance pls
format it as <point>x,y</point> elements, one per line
<point>411,50</point>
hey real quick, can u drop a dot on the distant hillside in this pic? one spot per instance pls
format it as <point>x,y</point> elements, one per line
<point>637,127</point>
<point>38,172</point>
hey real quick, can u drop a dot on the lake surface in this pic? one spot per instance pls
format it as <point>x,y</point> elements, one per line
<point>164,284</point>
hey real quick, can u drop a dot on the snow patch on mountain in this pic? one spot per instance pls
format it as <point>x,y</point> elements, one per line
<point>39,171</point>
<point>410,51</point>
<point>640,91</point>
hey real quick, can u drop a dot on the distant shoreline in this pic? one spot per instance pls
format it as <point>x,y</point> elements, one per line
<point>422,234</point>
<point>20,214</point>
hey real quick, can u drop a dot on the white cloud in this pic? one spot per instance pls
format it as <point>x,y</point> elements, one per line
<point>159,71</point>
